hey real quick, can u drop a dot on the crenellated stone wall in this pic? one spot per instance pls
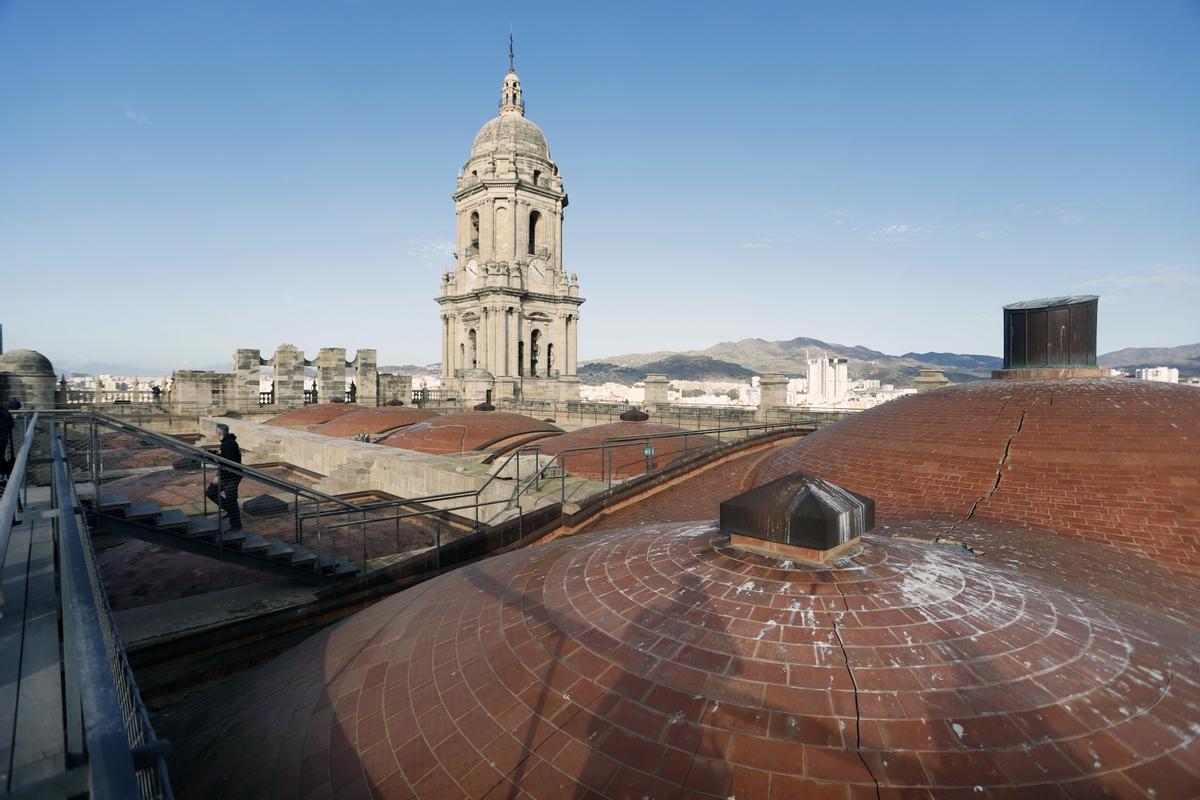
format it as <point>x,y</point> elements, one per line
<point>239,391</point>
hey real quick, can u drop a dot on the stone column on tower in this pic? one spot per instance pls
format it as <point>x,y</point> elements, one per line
<point>366,377</point>
<point>289,377</point>
<point>331,374</point>
<point>247,364</point>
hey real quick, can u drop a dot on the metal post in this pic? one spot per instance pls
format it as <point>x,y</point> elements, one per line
<point>437,550</point>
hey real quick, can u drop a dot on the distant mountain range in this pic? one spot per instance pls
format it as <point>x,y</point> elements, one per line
<point>738,361</point>
<point>1186,358</point>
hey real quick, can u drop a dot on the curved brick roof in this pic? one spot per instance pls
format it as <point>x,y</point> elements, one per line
<point>661,662</point>
<point>373,420</point>
<point>471,430</point>
<point>627,460</point>
<point>311,415</point>
<point>1114,461</point>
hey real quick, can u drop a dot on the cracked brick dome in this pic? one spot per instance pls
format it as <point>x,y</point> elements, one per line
<point>663,662</point>
<point>1111,461</point>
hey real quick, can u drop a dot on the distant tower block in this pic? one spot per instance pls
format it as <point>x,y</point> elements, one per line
<point>1054,337</point>
<point>772,393</point>
<point>930,379</point>
<point>656,391</point>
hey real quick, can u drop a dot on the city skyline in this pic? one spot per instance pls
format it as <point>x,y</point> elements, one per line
<point>204,178</point>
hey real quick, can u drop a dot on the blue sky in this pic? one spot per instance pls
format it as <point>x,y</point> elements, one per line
<point>179,179</point>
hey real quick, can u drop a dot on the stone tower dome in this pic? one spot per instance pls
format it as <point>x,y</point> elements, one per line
<point>28,376</point>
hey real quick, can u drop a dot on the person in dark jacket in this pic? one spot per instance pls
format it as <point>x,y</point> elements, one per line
<point>224,491</point>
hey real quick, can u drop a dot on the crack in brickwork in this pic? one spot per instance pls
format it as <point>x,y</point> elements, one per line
<point>854,686</point>
<point>999,469</point>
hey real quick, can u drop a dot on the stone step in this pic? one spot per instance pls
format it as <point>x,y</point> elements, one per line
<point>280,550</point>
<point>302,557</point>
<point>112,503</point>
<point>142,510</point>
<point>173,519</point>
<point>255,544</point>
<point>233,537</point>
<point>344,568</point>
<point>202,528</point>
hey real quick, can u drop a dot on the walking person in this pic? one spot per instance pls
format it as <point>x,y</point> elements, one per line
<point>224,490</point>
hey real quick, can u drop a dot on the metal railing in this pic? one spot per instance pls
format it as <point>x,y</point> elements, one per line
<point>13,489</point>
<point>472,500</point>
<point>307,506</point>
<point>108,731</point>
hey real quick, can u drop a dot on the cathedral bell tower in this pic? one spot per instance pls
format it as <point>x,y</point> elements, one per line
<point>509,308</point>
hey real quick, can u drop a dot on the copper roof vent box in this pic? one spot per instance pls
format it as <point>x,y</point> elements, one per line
<point>799,517</point>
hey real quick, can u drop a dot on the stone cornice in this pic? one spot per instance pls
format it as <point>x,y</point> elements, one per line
<point>482,293</point>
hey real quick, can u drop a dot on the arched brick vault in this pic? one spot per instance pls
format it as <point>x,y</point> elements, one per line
<point>374,420</point>
<point>662,662</point>
<point>473,430</point>
<point>1112,461</point>
<point>311,415</point>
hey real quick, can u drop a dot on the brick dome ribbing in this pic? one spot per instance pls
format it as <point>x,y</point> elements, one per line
<point>661,662</point>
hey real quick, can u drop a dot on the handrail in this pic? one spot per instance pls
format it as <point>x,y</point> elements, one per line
<point>110,760</point>
<point>522,485</point>
<point>171,443</point>
<point>12,491</point>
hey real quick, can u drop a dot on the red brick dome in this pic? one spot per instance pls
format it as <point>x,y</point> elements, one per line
<point>1112,461</point>
<point>373,421</point>
<point>662,662</point>
<point>625,460</point>
<point>472,430</point>
<point>314,414</point>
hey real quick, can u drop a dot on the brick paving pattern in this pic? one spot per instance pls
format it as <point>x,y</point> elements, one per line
<point>661,662</point>
<point>626,460</point>
<point>1113,461</point>
<point>472,430</point>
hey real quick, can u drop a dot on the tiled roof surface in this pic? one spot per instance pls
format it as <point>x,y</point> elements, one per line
<point>661,662</point>
<point>373,420</point>
<point>472,430</point>
<point>625,460</point>
<point>311,415</point>
<point>1113,461</point>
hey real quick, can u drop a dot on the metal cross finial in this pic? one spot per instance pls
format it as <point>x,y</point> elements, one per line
<point>510,49</point>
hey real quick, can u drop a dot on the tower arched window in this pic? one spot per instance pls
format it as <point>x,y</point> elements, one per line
<point>475,231</point>
<point>535,339</point>
<point>474,353</point>
<point>537,177</point>
<point>535,219</point>
<point>549,358</point>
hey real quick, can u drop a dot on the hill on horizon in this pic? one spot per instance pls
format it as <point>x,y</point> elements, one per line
<point>733,360</point>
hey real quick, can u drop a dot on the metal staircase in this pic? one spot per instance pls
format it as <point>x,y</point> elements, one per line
<point>172,528</point>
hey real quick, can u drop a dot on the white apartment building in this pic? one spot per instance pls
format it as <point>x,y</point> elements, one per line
<point>1160,374</point>
<point>828,380</point>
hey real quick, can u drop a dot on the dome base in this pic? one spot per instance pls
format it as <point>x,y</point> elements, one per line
<point>1040,373</point>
